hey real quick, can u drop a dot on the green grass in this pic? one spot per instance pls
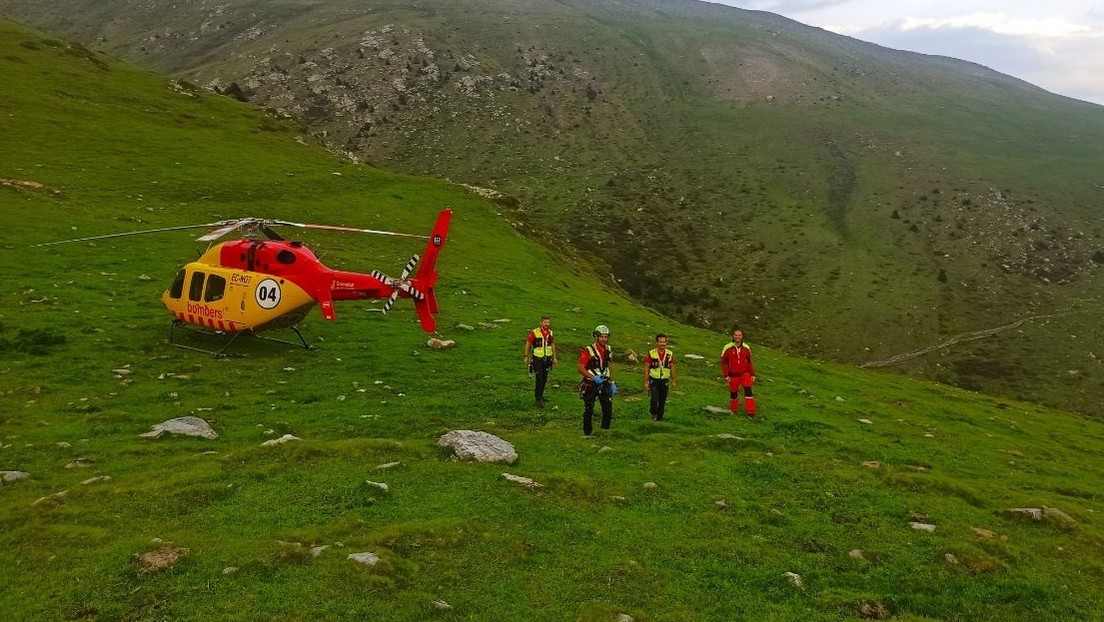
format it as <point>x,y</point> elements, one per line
<point>805,185</point>
<point>124,151</point>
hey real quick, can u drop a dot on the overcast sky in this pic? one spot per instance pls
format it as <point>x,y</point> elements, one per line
<point>1055,44</point>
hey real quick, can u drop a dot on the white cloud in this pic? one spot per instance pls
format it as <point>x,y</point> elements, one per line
<point>1000,23</point>
<point>1058,46</point>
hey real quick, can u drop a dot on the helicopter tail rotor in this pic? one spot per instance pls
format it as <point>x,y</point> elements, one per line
<point>420,288</point>
<point>402,285</point>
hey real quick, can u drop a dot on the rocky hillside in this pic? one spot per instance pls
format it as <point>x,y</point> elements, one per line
<point>836,198</point>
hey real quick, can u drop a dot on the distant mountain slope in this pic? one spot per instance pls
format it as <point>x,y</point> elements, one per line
<point>855,495</point>
<point>837,198</point>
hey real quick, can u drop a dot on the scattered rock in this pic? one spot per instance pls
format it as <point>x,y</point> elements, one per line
<point>389,465</point>
<point>368,559</point>
<point>79,463</point>
<point>726,435</point>
<point>478,446</point>
<point>795,579</point>
<point>317,550</point>
<point>1035,514</point>
<point>624,617</point>
<point>57,497</point>
<point>716,410</point>
<point>866,421</point>
<point>604,448</point>
<point>872,464</point>
<point>873,610</point>
<point>693,357</point>
<point>97,479</point>
<point>951,559</point>
<point>187,426</point>
<point>928,527</point>
<point>441,344</point>
<point>465,327</point>
<point>164,557</point>
<point>523,481</point>
<point>1058,518</point>
<point>8,477</point>
<point>380,485</point>
<point>63,445</point>
<point>857,554</point>
<point>442,605</point>
<point>632,356</point>
<point>839,398</point>
<point>280,441</point>
<point>230,570</point>
<point>650,485</point>
<point>984,533</point>
<point>721,504</point>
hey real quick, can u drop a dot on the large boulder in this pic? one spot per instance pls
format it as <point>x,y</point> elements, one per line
<point>478,446</point>
<point>6,477</point>
<point>188,426</point>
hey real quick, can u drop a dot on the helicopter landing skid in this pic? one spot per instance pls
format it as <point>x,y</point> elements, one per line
<point>233,337</point>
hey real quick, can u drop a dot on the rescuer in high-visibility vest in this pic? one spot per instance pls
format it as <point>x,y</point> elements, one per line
<point>594,365</point>
<point>659,375</point>
<point>736,367</point>
<point>540,356</point>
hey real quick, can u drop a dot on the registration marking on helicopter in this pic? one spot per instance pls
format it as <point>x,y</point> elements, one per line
<point>241,279</point>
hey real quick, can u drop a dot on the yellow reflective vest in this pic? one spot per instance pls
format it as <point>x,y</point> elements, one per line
<point>540,348</point>
<point>660,366</point>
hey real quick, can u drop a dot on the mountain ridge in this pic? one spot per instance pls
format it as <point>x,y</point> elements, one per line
<point>855,494</point>
<point>841,199</point>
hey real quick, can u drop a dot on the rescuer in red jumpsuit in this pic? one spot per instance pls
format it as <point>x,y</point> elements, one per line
<point>736,367</point>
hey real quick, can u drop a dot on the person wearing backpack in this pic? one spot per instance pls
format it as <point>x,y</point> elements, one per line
<point>594,366</point>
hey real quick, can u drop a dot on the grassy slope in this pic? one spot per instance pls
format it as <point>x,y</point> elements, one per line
<point>809,186</point>
<point>122,150</point>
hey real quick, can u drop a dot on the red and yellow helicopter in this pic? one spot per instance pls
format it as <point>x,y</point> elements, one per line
<point>263,282</point>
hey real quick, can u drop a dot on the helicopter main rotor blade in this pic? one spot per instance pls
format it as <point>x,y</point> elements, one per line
<point>349,229</point>
<point>128,233</point>
<point>226,227</point>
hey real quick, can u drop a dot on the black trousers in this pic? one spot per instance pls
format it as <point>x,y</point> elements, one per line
<point>658,390</point>
<point>541,366</point>
<point>601,393</point>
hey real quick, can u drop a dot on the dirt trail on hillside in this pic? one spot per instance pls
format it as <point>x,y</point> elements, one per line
<point>972,336</point>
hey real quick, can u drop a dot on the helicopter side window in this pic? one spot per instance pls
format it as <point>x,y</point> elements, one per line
<point>285,257</point>
<point>195,288</point>
<point>216,288</point>
<point>177,288</point>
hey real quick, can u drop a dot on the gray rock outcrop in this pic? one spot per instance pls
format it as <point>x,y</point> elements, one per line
<point>188,426</point>
<point>478,446</point>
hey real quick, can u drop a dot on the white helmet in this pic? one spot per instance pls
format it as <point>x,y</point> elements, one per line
<point>601,329</point>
